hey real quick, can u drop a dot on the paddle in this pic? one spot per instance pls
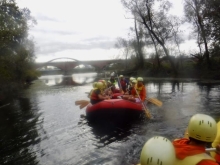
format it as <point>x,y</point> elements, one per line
<point>145,108</point>
<point>155,101</point>
<point>210,149</point>
<point>79,102</point>
<point>84,104</point>
<point>107,89</point>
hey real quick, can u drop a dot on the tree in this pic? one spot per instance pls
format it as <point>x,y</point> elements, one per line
<point>138,45</point>
<point>133,46</point>
<point>16,49</point>
<point>155,22</point>
<point>212,17</point>
<point>123,44</point>
<point>194,10</point>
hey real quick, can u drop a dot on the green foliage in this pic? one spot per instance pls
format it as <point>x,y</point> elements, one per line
<point>16,49</point>
<point>212,17</point>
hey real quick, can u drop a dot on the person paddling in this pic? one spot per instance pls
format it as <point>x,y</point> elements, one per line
<point>130,86</point>
<point>122,83</point>
<point>202,130</point>
<point>131,97</point>
<point>139,89</point>
<point>94,87</point>
<point>97,95</point>
<point>112,79</point>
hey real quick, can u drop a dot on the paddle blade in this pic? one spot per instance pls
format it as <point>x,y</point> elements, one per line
<point>147,112</point>
<point>155,101</point>
<point>83,105</point>
<point>79,102</point>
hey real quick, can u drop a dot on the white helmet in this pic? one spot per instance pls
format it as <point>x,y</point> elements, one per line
<point>202,127</point>
<point>158,151</point>
<point>131,78</point>
<point>140,79</point>
<point>134,81</point>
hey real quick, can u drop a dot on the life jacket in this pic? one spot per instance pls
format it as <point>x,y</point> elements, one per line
<point>133,92</point>
<point>187,154</point>
<point>123,83</point>
<point>193,160</point>
<point>141,92</point>
<point>112,80</point>
<point>139,89</point>
<point>93,95</point>
<point>90,93</point>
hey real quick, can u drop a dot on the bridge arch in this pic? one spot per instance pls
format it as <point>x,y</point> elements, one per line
<point>68,65</point>
<point>62,58</point>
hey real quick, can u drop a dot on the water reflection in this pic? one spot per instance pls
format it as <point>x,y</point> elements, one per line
<point>18,131</point>
<point>175,86</point>
<point>75,79</point>
<point>107,132</point>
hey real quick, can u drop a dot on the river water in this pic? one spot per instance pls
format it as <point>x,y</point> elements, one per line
<point>45,127</point>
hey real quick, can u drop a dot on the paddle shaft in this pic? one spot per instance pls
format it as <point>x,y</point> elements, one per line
<point>210,149</point>
<point>108,88</point>
<point>147,112</point>
<point>155,101</point>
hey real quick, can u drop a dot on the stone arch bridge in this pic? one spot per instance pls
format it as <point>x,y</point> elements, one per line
<point>68,65</point>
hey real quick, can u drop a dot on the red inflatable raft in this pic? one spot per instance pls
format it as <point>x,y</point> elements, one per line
<point>114,108</point>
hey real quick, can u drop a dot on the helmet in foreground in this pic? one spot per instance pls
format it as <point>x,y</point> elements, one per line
<point>99,85</point>
<point>104,83</point>
<point>121,76</point>
<point>158,150</point>
<point>140,79</point>
<point>202,127</point>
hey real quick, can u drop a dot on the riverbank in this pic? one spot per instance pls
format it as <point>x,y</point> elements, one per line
<point>8,91</point>
<point>201,81</point>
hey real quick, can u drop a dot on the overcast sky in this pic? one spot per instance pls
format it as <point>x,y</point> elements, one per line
<point>80,29</point>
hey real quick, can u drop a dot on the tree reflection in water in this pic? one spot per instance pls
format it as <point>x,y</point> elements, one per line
<point>18,132</point>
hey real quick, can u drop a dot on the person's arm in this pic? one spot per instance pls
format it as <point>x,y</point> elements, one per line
<point>101,97</point>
